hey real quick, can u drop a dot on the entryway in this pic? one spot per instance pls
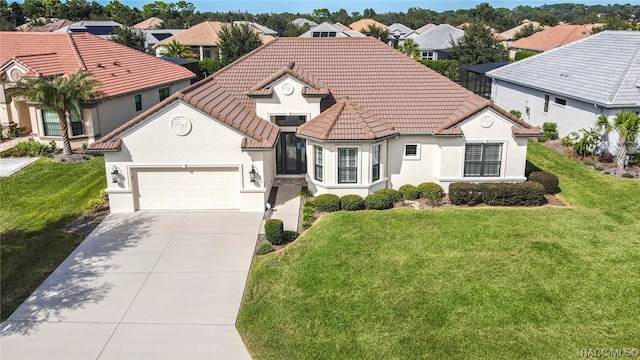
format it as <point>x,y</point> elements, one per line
<point>291,154</point>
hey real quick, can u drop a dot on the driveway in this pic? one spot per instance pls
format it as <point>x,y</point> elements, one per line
<point>9,166</point>
<point>148,285</point>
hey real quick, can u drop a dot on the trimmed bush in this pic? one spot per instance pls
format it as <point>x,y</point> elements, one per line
<point>290,236</point>
<point>327,203</point>
<point>465,194</point>
<point>393,195</point>
<point>274,231</point>
<point>352,202</point>
<point>526,193</point>
<point>378,202</point>
<point>549,181</point>
<point>409,192</point>
<point>550,130</point>
<point>264,248</point>
<point>431,192</point>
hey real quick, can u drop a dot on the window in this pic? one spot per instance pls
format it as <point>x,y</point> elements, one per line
<point>318,163</point>
<point>411,151</point>
<point>482,160</point>
<point>163,94</point>
<point>291,120</point>
<point>347,165</point>
<point>52,125</point>
<point>138,102</point>
<point>428,55</point>
<point>375,163</point>
<point>546,103</point>
<point>206,53</point>
<point>560,101</point>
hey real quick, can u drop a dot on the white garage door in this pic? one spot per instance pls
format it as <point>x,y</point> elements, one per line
<point>207,188</point>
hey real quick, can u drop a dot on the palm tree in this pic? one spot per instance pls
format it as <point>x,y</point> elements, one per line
<point>176,49</point>
<point>627,125</point>
<point>410,48</point>
<point>61,94</point>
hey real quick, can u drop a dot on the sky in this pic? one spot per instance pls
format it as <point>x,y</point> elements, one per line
<point>380,6</point>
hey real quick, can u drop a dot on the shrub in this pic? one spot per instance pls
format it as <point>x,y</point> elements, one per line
<point>588,162</point>
<point>96,203</point>
<point>605,157</point>
<point>448,68</point>
<point>378,202</point>
<point>28,148</point>
<point>327,203</point>
<point>516,113</point>
<point>523,54</point>
<point>598,168</point>
<point>431,192</point>
<point>542,139</point>
<point>274,231</point>
<point>305,193</point>
<point>567,140</point>
<point>352,202</point>
<point>587,143</point>
<point>526,193</point>
<point>409,192</point>
<point>290,236</point>
<point>392,194</point>
<point>548,181</point>
<point>264,248</point>
<point>309,204</point>
<point>628,175</point>
<point>306,224</point>
<point>465,194</point>
<point>550,130</point>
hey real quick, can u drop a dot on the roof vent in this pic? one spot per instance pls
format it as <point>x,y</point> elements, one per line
<point>116,63</point>
<point>99,65</point>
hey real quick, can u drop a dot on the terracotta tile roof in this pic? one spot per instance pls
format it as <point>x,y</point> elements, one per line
<point>346,121</point>
<point>50,27</point>
<point>316,88</point>
<point>363,24</point>
<point>205,34</point>
<point>552,37</point>
<point>509,34</point>
<point>106,146</point>
<point>120,69</point>
<point>150,23</point>
<point>425,28</point>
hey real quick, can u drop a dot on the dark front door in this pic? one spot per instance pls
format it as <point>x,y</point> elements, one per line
<point>291,154</point>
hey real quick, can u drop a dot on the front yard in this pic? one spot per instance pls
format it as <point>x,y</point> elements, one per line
<point>37,203</point>
<point>498,283</point>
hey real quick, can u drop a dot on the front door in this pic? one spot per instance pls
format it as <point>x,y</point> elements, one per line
<point>291,154</point>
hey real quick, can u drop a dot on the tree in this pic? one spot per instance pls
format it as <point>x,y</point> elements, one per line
<point>410,48</point>
<point>132,38</point>
<point>235,41</point>
<point>63,94</point>
<point>476,46</point>
<point>527,31</point>
<point>614,22</point>
<point>627,125</point>
<point>376,32</point>
<point>123,14</point>
<point>176,49</point>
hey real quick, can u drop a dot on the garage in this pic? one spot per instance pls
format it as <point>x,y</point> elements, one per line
<point>187,189</point>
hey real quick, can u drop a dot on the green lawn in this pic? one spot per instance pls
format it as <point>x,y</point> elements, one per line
<point>36,204</point>
<point>491,283</point>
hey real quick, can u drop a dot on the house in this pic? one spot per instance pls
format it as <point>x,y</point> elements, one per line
<point>263,30</point>
<point>363,25</point>
<point>507,36</point>
<point>550,38</point>
<point>132,82</point>
<point>574,84</point>
<point>149,24</point>
<point>203,39</point>
<point>434,44</point>
<point>154,36</point>
<point>425,28</point>
<point>307,108</point>
<point>299,22</point>
<point>331,30</point>
<point>398,33</point>
<point>104,29</point>
<point>49,26</point>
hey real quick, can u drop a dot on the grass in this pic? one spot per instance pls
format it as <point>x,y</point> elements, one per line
<point>37,203</point>
<point>485,283</point>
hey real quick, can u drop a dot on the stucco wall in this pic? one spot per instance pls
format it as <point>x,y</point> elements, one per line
<point>210,143</point>
<point>413,170</point>
<point>282,104</point>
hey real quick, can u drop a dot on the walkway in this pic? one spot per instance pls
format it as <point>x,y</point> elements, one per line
<point>287,205</point>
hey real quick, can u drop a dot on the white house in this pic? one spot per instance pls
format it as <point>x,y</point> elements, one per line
<point>131,82</point>
<point>574,84</point>
<point>326,29</point>
<point>308,108</point>
<point>434,44</point>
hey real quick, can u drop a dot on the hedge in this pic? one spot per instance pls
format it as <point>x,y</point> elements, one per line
<point>352,202</point>
<point>409,192</point>
<point>378,201</point>
<point>549,181</point>
<point>526,193</point>
<point>431,192</point>
<point>393,195</point>
<point>274,231</point>
<point>327,203</point>
<point>465,194</point>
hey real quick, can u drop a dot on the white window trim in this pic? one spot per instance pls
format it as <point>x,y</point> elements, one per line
<point>314,164</point>
<point>379,163</point>
<point>559,105</point>
<point>358,162</point>
<point>503,161</point>
<point>410,157</point>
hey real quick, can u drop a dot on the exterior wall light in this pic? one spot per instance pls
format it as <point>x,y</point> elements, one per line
<point>252,174</point>
<point>115,175</point>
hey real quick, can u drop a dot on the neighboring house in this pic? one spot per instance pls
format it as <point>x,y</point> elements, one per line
<point>550,38</point>
<point>309,108</point>
<point>434,44</point>
<point>203,39</point>
<point>263,30</point>
<point>50,26</point>
<point>425,28</point>
<point>132,82</point>
<point>331,30</point>
<point>154,36</point>
<point>572,85</point>
<point>149,24</point>
<point>103,29</point>
<point>299,22</point>
<point>507,36</point>
<point>363,25</point>
<point>398,33</point>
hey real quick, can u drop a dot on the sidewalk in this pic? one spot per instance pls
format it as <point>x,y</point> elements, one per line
<point>287,206</point>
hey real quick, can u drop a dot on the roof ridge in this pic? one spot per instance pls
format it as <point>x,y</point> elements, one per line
<point>626,74</point>
<point>363,124</point>
<point>242,58</point>
<point>72,41</point>
<point>341,104</point>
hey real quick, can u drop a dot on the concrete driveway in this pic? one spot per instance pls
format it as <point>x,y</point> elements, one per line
<point>148,285</point>
<point>10,166</point>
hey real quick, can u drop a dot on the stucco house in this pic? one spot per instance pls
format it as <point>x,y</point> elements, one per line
<point>434,44</point>
<point>572,85</point>
<point>326,30</point>
<point>550,38</point>
<point>132,82</point>
<point>308,108</point>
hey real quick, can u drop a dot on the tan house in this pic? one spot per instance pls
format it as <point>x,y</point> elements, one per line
<point>132,82</point>
<point>363,25</point>
<point>203,39</point>
<point>550,38</point>
<point>149,24</point>
<point>307,108</point>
